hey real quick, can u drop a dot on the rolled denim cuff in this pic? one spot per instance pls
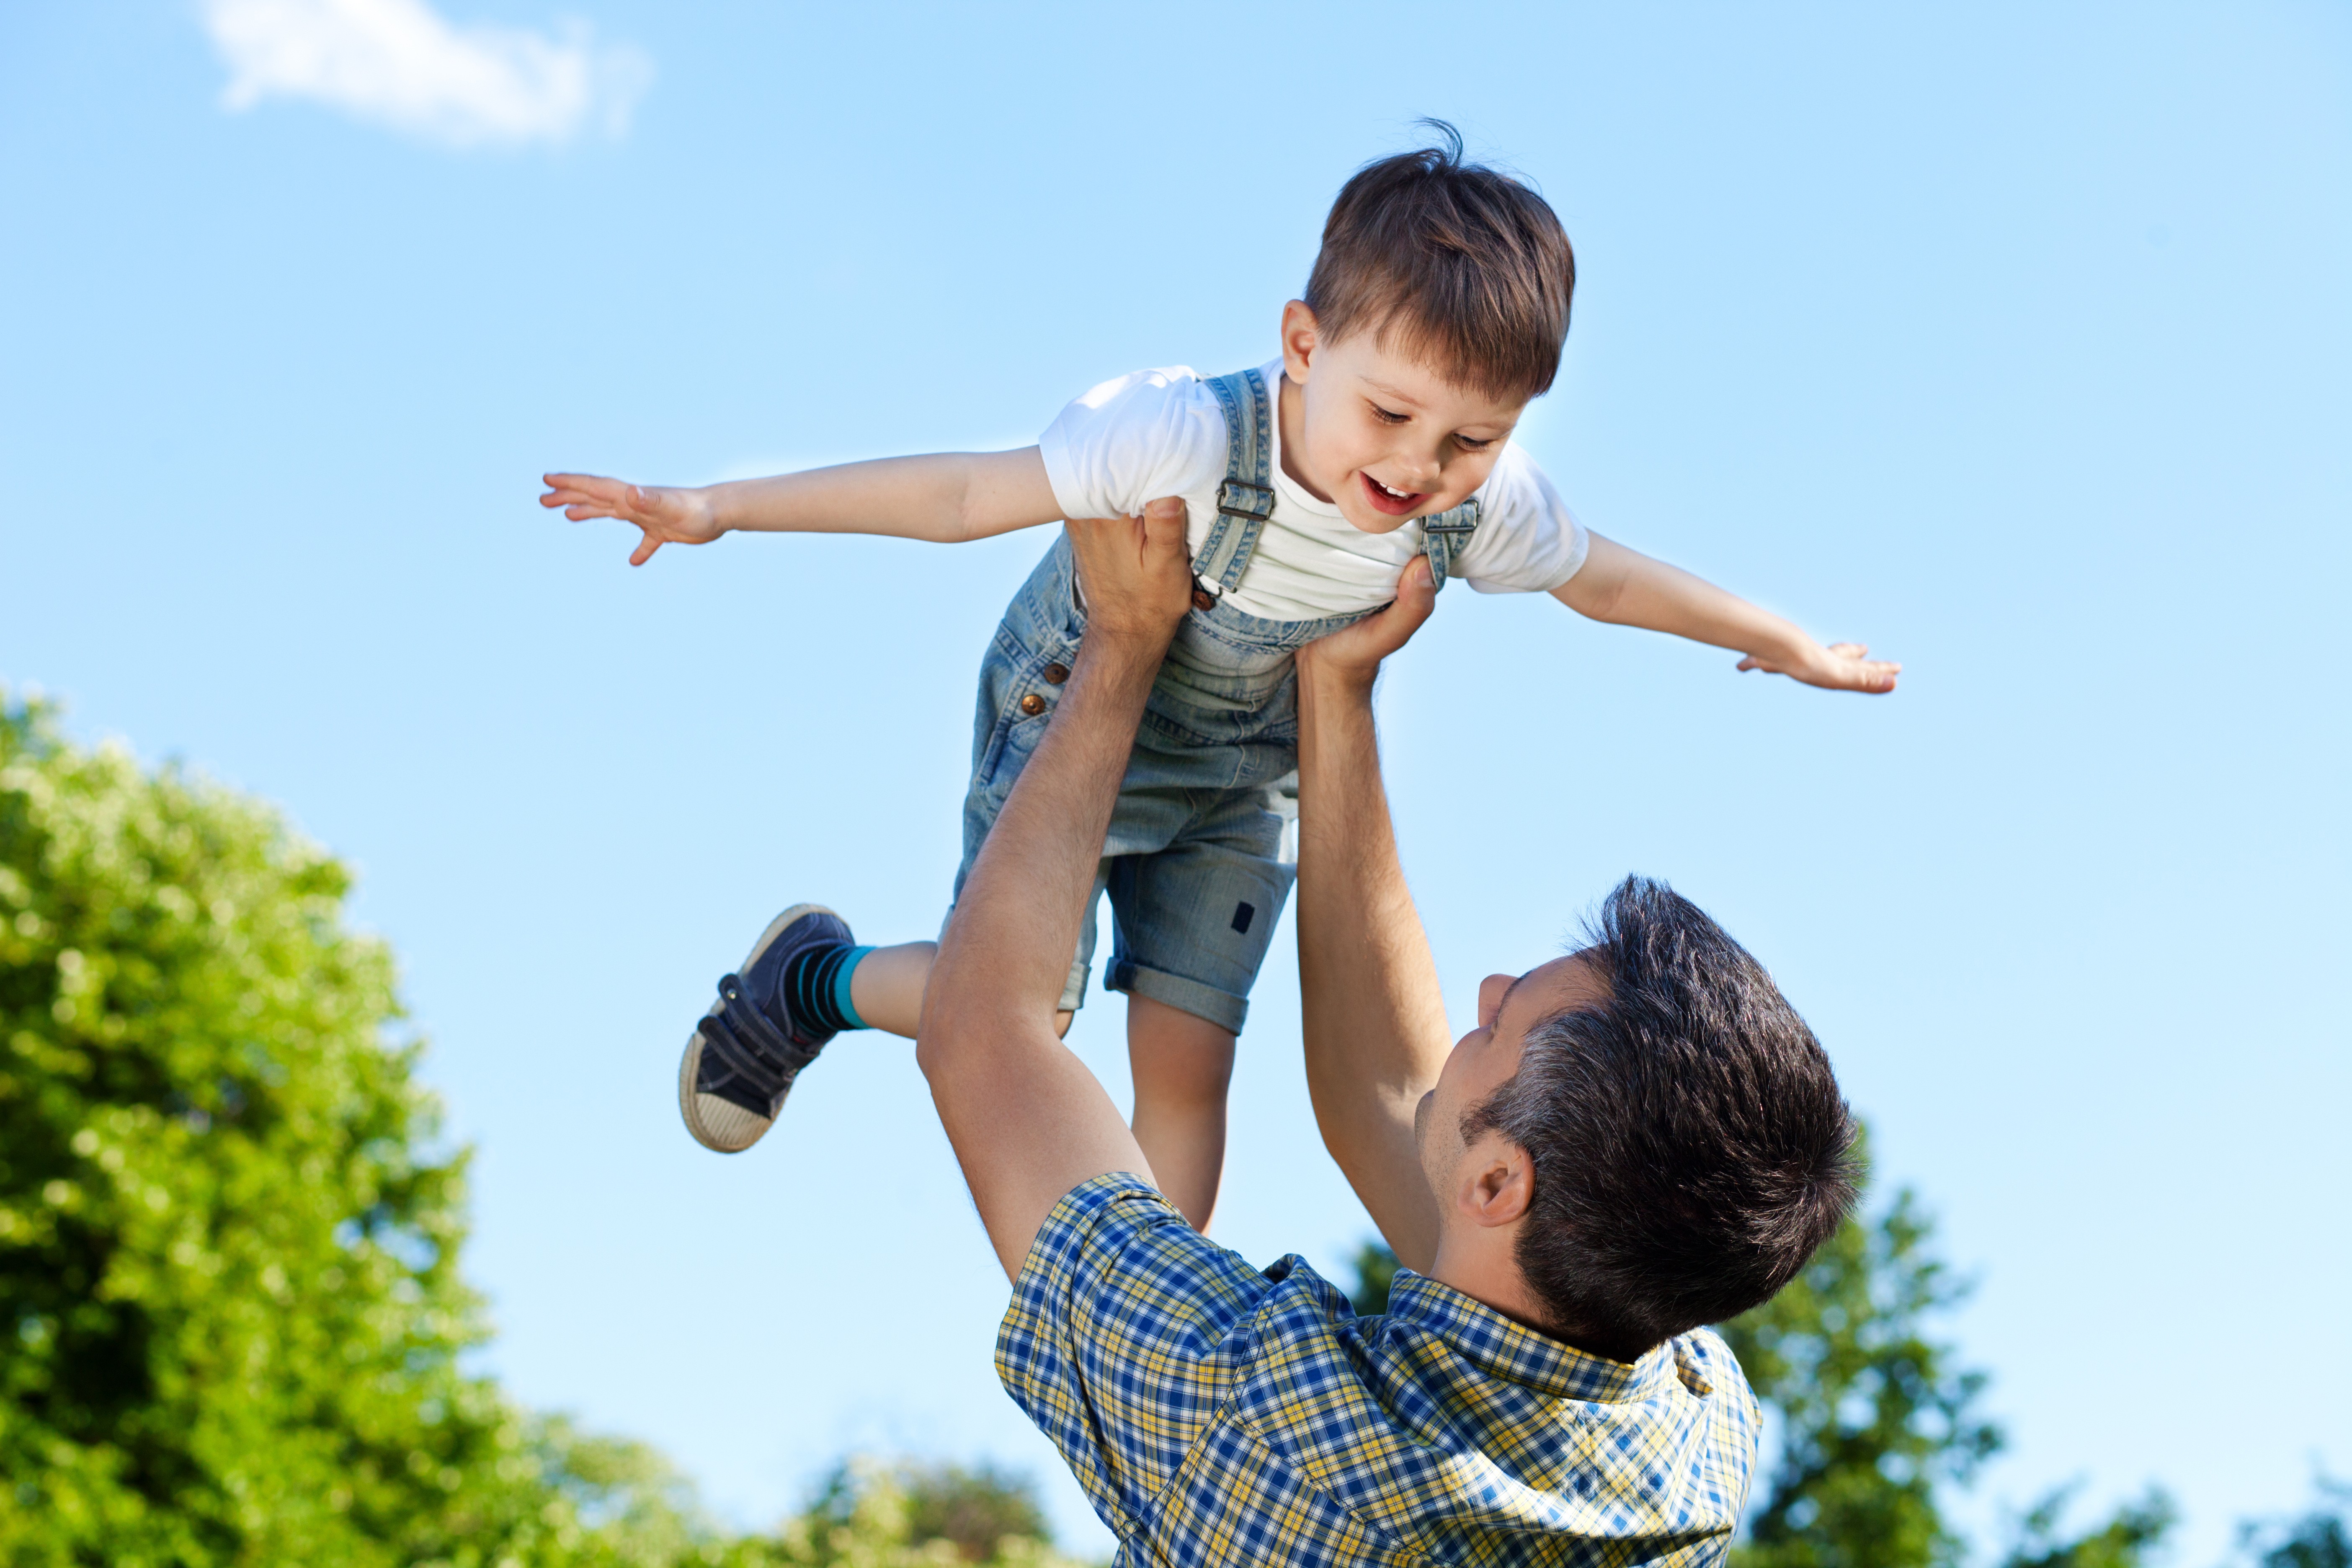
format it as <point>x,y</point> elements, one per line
<point>1221,1008</point>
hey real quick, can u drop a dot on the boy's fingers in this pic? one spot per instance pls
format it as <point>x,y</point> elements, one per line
<point>586,484</point>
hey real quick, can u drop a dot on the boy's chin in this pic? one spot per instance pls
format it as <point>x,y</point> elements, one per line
<point>1365,520</point>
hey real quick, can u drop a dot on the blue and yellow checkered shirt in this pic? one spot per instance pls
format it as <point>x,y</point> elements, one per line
<point>1217,1415</point>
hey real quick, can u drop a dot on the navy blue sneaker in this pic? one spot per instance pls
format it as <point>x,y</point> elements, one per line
<point>742,1059</point>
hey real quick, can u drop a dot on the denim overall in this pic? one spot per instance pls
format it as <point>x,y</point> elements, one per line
<point>1199,856</point>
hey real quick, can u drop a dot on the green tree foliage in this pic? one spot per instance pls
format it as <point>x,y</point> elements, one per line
<point>2124,1542</point>
<point>230,1310</point>
<point>230,1315</point>
<point>868,1515</point>
<point>1376,1269</point>
<point>2320,1538</point>
<point>1873,1417</point>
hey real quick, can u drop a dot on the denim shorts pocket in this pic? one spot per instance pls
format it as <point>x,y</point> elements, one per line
<point>1016,702</point>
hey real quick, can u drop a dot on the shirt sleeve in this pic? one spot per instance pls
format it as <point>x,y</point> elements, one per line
<point>1527,541</point>
<point>1154,433</point>
<point>1125,1330</point>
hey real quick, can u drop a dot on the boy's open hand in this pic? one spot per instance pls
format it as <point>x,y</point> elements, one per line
<point>1134,573</point>
<point>1840,667</point>
<point>666,515</point>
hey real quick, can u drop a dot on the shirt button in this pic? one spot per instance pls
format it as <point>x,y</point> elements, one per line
<point>1033,705</point>
<point>1056,673</point>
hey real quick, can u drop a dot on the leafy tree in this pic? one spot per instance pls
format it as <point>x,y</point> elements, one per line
<point>868,1515</point>
<point>1376,1269</point>
<point>230,1315</point>
<point>230,1310</point>
<point>2320,1538</point>
<point>2124,1542</point>
<point>1873,1417</point>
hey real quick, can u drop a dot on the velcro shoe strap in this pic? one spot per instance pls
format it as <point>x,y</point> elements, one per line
<point>742,1039</point>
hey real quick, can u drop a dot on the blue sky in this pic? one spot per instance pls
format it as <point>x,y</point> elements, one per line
<point>2013,340</point>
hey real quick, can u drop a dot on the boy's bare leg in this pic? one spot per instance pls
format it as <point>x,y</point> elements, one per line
<point>886,988</point>
<point>1182,1065</point>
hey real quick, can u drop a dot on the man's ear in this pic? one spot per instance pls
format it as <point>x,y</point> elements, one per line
<point>1495,1182</point>
<point>1299,340</point>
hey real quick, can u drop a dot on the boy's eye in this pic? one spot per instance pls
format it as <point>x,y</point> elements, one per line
<point>1388,416</point>
<point>1471,444</point>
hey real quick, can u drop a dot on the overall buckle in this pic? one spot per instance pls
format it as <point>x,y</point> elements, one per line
<point>1230,499</point>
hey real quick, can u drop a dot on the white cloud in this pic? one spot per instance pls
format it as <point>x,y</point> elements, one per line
<point>400,63</point>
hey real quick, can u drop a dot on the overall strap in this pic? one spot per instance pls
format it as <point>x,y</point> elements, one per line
<point>1445,536</point>
<point>1246,495</point>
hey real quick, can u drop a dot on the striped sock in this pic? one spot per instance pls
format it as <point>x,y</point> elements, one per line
<point>817,988</point>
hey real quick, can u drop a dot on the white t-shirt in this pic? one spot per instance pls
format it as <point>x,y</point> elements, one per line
<point>1161,433</point>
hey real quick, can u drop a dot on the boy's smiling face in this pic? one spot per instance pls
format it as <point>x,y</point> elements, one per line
<point>1382,435</point>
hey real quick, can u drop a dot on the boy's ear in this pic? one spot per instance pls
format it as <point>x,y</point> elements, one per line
<point>1298,339</point>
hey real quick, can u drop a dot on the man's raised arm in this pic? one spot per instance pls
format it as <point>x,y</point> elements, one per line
<point>1374,1024</point>
<point>1027,1120</point>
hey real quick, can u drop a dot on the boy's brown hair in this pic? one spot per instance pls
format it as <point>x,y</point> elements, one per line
<point>1456,264</point>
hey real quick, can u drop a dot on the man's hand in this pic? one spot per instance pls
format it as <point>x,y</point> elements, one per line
<point>1840,667</point>
<point>1135,577</point>
<point>665,515</point>
<point>1354,653</point>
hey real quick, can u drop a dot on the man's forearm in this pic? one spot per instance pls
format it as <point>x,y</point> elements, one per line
<point>1027,1120</point>
<point>1017,922</point>
<point>1374,1022</point>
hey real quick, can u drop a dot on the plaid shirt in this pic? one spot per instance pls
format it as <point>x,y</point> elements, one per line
<point>1218,1415</point>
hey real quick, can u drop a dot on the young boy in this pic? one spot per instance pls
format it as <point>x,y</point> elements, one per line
<point>1435,312</point>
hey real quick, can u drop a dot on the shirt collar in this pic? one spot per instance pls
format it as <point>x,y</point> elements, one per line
<point>1516,1353</point>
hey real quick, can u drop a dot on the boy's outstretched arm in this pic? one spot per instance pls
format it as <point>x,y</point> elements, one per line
<point>1028,1121</point>
<point>1628,588</point>
<point>946,496</point>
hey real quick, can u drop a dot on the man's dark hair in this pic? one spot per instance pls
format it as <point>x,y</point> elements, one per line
<point>1458,264</point>
<point>1690,1146</point>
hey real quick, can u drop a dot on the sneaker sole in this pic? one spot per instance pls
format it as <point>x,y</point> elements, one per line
<point>721,1124</point>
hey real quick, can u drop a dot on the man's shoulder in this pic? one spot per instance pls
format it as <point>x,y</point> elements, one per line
<point>1114,1255</point>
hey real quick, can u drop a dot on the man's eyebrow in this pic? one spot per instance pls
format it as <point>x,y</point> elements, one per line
<point>1506,1002</point>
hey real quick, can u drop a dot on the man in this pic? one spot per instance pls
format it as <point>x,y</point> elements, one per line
<point>1639,1139</point>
